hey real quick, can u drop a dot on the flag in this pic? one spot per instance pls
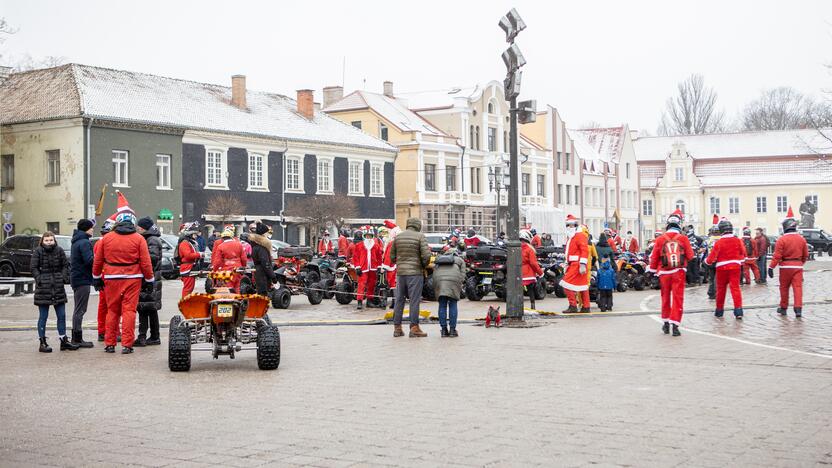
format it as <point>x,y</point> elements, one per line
<point>100,206</point>
<point>715,220</point>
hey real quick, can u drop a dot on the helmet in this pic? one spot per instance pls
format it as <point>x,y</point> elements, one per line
<point>382,231</point>
<point>472,233</point>
<point>189,228</point>
<point>228,231</point>
<point>357,236</point>
<point>108,225</point>
<point>675,220</point>
<point>725,226</point>
<point>525,235</point>
<point>746,231</point>
<point>789,225</point>
<point>533,231</point>
<point>368,231</point>
<point>126,217</point>
<point>713,231</point>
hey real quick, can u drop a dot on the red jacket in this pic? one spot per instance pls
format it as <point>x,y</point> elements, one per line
<point>728,253</point>
<point>228,255</point>
<point>472,241</point>
<point>325,247</point>
<point>187,256</point>
<point>754,249</point>
<point>343,245</point>
<point>122,255</point>
<point>386,261</point>
<point>790,251</point>
<point>364,260</point>
<point>531,269</point>
<point>632,246</point>
<point>658,247</point>
<point>536,241</point>
<point>762,245</point>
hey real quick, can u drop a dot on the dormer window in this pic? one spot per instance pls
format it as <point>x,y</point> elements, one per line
<point>680,174</point>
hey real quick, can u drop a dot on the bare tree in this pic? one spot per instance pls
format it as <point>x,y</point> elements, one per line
<point>25,62</point>
<point>317,211</point>
<point>693,110</point>
<point>590,124</point>
<point>225,206</point>
<point>777,109</point>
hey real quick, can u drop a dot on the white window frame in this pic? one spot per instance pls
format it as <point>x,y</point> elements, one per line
<point>126,172</point>
<point>785,199</point>
<point>360,164</point>
<point>380,179</point>
<point>56,171</point>
<point>223,183</point>
<point>711,204</point>
<point>679,174</point>
<point>164,166</point>
<point>647,207</point>
<point>299,160</point>
<point>731,208</point>
<point>330,179</point>
<point>816,197</point>
<point>761,201</point>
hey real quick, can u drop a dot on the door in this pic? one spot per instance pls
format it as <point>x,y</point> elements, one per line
<point>20,250</point>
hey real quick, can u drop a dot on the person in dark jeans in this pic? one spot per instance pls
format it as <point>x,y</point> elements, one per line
<point>713,236</point>
<point>762,250</point>
<point>150,296</point>
<point>49,269</point>
<point>411,255</point>
<point>80,278</point>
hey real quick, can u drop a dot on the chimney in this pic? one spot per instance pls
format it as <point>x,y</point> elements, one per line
<point>238,91</point>
<point>332,94</point>
<point>4,73</point>
<point>388,88</point>
<point>306,106</point>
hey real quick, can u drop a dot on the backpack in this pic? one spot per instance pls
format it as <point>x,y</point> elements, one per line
<point>177,260</point>
<point>672,254</point>
<point>748,249</point>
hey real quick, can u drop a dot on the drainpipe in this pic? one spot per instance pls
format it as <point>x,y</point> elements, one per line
<point>87,169</point>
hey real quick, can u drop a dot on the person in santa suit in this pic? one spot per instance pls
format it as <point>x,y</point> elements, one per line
<point>227,227</point>
<point>366,258</point>
<point>387,263</point>
<point>751,254</point>
<point>790,253</point>
<point>106,227</point>
<point>631,243</point>
<point>188,253</point>
<point>471,240</point>
<point>344,242</point>
<point>536,240</point>
<point>575,279</point>
<point>727,257</point>
<point>229,255</point>
<point>357,238</point>
<point>530,268</point>
<point>668,260</point>
<point>123,266</point>
<point>325,245</point>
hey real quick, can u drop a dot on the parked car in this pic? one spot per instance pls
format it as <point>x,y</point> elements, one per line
<point>16,253</point>
<point>773,240</point>
<point>437,240</point>
<point>819,239</point>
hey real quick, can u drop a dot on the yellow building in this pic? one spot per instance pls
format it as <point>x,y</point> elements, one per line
<point>751,178</point>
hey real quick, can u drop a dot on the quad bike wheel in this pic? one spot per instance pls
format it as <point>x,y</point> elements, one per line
<point>540,289</point>
<point>315,293</point>
<point>343,293</point>
<point>622,282</point>
<point>471,290</point>
<point>209,286</point>
<point>330,288</point>
<point>179,347</point>
<point>246,287</point>
<point>428,290</point>
<point>281,298</point>
<point>638,283</point>
<point>312,277</point>
<point>268,347</point>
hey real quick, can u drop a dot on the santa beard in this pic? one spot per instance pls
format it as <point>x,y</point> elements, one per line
<point>368,243</point>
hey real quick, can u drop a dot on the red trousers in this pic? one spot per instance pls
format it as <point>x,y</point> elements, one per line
<point>750,265</point>
<point>724,279</point>
<point>391,280</point>
<point>571,296</point>
<point>188,283</point>
<point>122,299</point>
<point>366,282</point>
<point>791,278</point>
<point>673,296</point>
<point>102,312</point>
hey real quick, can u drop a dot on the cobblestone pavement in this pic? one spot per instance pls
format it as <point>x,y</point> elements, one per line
<point>607,391</point>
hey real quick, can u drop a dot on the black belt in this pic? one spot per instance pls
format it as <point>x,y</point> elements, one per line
<point>120,264</point>
<point>792,260</point>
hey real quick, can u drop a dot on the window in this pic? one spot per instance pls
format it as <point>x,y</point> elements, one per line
<point>558,160</point>
<point>761,205</point>
<point>293,174</point>
<point>8,171</point>
<point>382,131</point>
<point>577,195</point>
<point>568,194</point>
<point>471,138</point>
<point>376,180</point>
<point>492,138</point>
<point>812,198</point>
<point>162,171</point>
<point>120,168</point>
<point>214,170</point>
<point>714,205</point>
<point>53,167</point>
<point>476,180</point>
<point>588,196</point>
<point>54,227</point>
<point>680,205</point>
<point>477,137</point>
<point>647,207</point>
<point>782,203</point>
<point>627,170</point>
<point>505,142</point>
<point>526,184</point>
<point>355,175</point>
<point>560,193</point>
<point>612,198</point>
<point>680,174</point>
<point>450,178</point>
<point>324,176</point>
<point>541,185</point>
<point>566,161</point>
<point>733,205</point>
<point>430,177</point>
<point>356,124</point>
<point>490,107</point>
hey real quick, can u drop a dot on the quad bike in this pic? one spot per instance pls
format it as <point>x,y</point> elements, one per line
<point>323,269</point>
<point>486,272</point>
<point>292,283</point>
<point>226,321</point>
<point>246,283</point>
<point>551,261</point>
<point>630,272</point>
<point>348,285</point>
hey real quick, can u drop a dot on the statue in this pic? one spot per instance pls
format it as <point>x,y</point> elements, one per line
<point>807,214</point>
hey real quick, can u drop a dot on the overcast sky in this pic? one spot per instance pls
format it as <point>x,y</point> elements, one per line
<point>606,61</point>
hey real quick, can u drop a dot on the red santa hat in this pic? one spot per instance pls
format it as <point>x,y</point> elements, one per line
<point>676,217</point>
<point>715,220</point>
<point>790,214</point>
<point>571,220</point>
<point>389,224</point>
<point>122,204</point>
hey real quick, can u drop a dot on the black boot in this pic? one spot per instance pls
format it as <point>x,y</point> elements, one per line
<point>718,313</point>
<point>44,347</point>
<point>100,337</point>
<point>66,345</point>
<point>453,333</point>
<point>666,328</point>
<point>109,349</point>
<point>140,342</point>
<point>798,312</point>
<point>78,338</point>
<point>738,314</point>
<point>531,304</point>
<point>444,332</point>
<point>676,330</point>
<point>153,341</point>
<point>360,305</point>
<point>126,350</point>
<point>781,311</point>
<point>571,310</point>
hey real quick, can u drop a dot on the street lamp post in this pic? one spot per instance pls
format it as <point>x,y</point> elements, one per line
<point>494,183</point>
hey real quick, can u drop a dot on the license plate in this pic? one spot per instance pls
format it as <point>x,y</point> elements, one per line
<point>486,281</point>
<point>225,310</point>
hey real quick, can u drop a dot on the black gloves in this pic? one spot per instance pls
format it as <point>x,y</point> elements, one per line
<point>771,272</point>
<point>358,272</point>
<point>147,286</point>
<point>98,284</point>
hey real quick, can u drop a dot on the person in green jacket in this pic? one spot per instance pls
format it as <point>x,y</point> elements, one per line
<point>411,255</point>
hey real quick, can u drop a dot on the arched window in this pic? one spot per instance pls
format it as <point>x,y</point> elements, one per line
<point>477,139</point>
<point>471,138</point>
<point>680,205</point>
<point>490,107</point>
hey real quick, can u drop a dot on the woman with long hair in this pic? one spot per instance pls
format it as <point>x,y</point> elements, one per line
<point>51,271</point>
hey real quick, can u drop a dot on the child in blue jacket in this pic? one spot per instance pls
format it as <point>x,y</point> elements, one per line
<point>607,282</point>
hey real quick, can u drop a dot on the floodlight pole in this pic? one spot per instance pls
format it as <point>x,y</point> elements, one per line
<point>514,287</point>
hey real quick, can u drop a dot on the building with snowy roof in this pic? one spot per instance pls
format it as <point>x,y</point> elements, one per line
<point>750,178</point>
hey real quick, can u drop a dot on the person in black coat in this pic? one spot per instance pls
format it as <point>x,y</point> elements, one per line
<point>49,269</point>
<point>80,278</point>
<point>150,297</point>
<point>261,254</point>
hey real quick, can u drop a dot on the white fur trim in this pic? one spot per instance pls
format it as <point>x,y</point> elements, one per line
<point>574,287</point>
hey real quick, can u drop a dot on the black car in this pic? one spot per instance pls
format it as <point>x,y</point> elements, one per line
<point>16,253</point>
<point>772,240</point>
<point>168,270</point>
<point>819,239</point>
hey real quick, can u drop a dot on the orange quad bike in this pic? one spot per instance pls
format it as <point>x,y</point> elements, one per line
<point>224,320</point>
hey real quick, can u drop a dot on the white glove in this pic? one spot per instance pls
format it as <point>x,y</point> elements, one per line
<point>582,269</point>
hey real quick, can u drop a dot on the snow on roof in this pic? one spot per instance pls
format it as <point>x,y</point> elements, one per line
<point>440,98</point>
<point>592,160</point>
<point>390,108</point>
<point>149,99</point>
<point>732,145</point>
<point>649,174</point>
<point>607,142</point>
